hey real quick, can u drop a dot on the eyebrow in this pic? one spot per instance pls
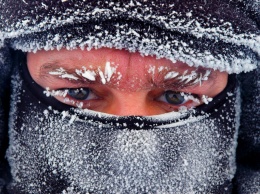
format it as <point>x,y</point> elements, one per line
<point>175,83</point>
<point>184,80</point>
<point>46,68</point>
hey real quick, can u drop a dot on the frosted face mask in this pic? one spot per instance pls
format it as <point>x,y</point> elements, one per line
<point>56,148</point>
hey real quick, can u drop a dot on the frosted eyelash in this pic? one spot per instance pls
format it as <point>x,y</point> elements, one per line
<point>62,93</point>
<point>190,97</point>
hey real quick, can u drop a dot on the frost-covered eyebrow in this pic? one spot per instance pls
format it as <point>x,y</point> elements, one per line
<point>46,68</point>
<point>186,79</point>
<point>84,76</point>
<point>170,79</point>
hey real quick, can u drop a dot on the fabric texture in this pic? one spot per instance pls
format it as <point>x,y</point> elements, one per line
<point>248,151</point>
<point>4,109</point>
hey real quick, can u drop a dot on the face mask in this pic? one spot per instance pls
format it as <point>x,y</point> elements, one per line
<point>58,149</point>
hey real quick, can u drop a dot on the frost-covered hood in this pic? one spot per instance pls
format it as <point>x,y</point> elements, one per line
<point>223,35</point>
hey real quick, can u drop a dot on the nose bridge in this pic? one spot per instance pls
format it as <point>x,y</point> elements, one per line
<point>134,103</point>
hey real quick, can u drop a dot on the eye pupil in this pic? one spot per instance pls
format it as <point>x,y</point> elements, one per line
<point>174,97</point>
<point>79,93</point>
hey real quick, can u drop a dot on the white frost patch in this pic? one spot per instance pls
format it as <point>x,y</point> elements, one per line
<point>63,74</point>
<point>206,99</point>
<point>151,70</point>
<point>200,77</point>
<point>109,71</point>
<point>190,97</point>
<point>193,76</point>
<point>161,68</point>
<point>171,75</point>
<point>107,74</point>
<point>88,74</point>
<point>49,92</point>
<point>102,77</point>
<point>25,2</point>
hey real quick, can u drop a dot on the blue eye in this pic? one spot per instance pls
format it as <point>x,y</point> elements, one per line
<point>172,97</point>
<point>79,93</point>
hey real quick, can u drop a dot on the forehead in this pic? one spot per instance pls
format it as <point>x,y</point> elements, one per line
<point>117,68</point>
<point>123,60</point>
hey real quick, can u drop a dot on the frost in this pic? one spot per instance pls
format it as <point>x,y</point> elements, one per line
<point>171,75</point>
<point>102,76</point>
<point>24,1</point>
<point>49,92</point>
<point>63,74</point>
<point>88,74</point>
<point>206,99</point>
<point>189,14</point>
<point>161,68</point>
<point>107,74</point>
<point>193,76</point>
<point>129,38</point>
<point>182,109</point>
<point>75,147</point>
<point>109,71</point>
<point>186,154</point>
<point>190,97</point>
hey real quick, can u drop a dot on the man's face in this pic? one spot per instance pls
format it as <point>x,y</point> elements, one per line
<point>122,83</point>
<point>103,153</point>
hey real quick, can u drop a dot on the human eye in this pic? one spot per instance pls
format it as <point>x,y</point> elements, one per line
<point>172,97</point>
<point>80,94</point>
<point>77,97</point>
<point>174,100</point>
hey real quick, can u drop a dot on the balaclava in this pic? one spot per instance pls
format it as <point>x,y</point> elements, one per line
<point>54,148</point>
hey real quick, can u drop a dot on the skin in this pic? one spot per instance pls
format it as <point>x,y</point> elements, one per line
<point>130,90</point>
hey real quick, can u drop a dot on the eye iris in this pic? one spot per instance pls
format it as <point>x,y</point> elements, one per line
<point>174,97</point>
<point>79,94</point>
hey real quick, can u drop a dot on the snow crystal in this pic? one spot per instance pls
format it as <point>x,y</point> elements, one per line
<point>102,76</point>
<point>109,71</point>
<point>206,99</point>
<point>63,74</point>
<point>54,93</point>
<point>190,97</point>
<point>88,74</point>
<point>171,75</point>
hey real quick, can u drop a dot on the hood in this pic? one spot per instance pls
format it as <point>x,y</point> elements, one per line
<point>222,35</point>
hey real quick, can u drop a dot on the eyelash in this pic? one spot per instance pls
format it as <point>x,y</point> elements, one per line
<point>178,98</point>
